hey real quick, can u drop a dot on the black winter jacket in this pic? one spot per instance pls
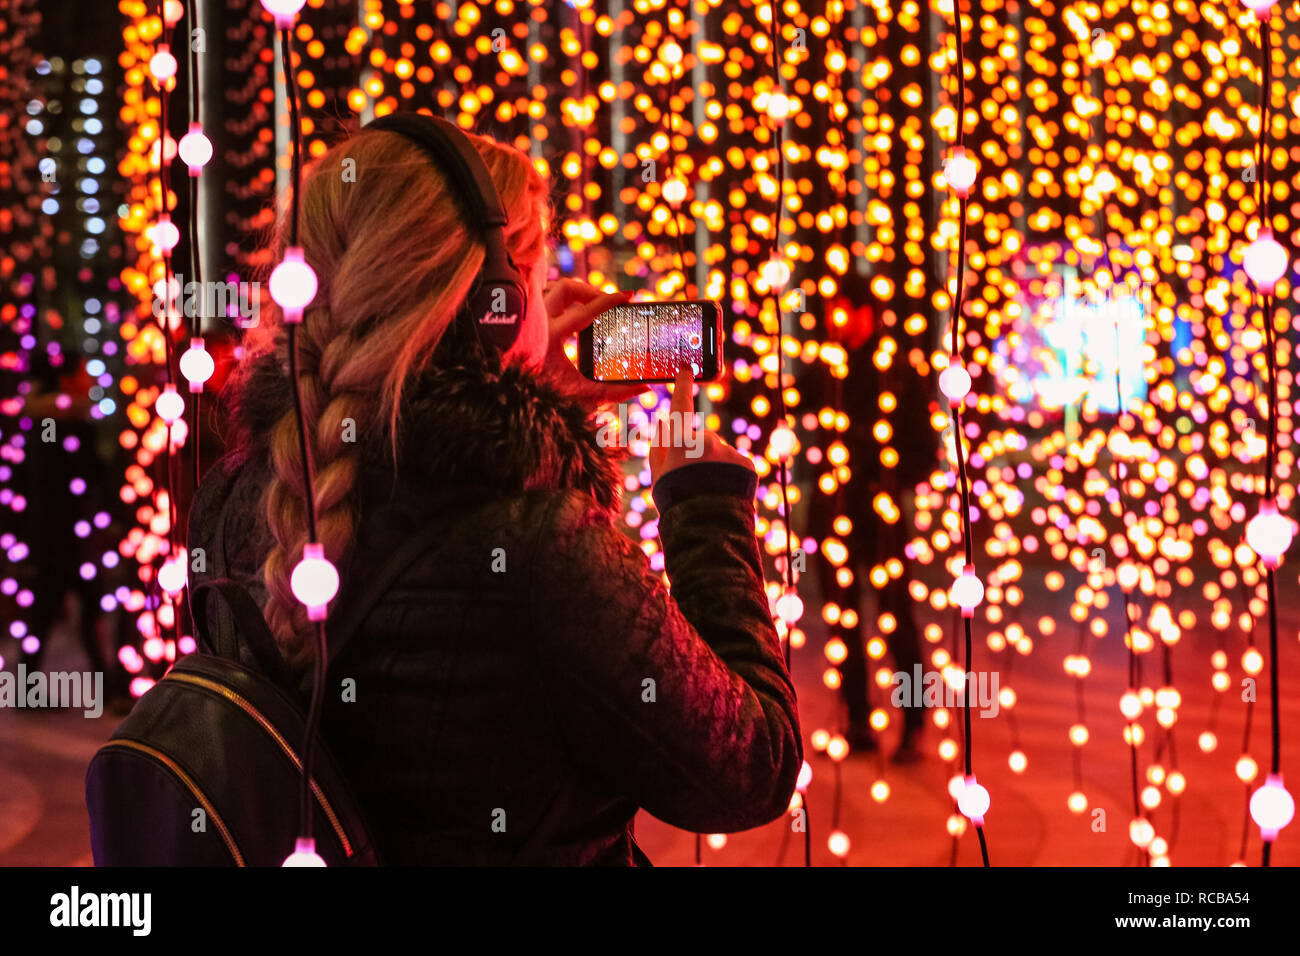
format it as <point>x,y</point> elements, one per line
<point>528,682</point>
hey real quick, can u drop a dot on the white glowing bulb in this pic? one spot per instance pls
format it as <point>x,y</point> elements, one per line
<point>1141,832</point>
<point>173,10</point>
<point>164,233</point>
<point>169,405</point>
<point>293,284</point>
<point>1265,261</point>
<point>314,581</point>
<point>283,10</point>
<point>838,843</point>
<point>967,591</point>
<point>1269,534</point>
<point>960,171</point>
<point>954,382</point>
<point>171,576</point>
<point>805,777</point>
<point>776,273</point>
<point>782,441</point>
<point>195,149</point>
<point>671,52</point>
<point>789,607</point>
<point>1103,50</point>
<point>674,190</point>
<point>1272,807</point>
<point>778,107</point>
<point>304,849</point>
<point>197,365</point>
<point>1130,705</point>
<point>162,64</point>
<point>973,801</point>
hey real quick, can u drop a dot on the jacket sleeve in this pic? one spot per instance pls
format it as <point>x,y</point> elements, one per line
<point>681,701</point>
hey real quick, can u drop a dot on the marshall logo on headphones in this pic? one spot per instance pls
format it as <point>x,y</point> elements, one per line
<point>499,318</point>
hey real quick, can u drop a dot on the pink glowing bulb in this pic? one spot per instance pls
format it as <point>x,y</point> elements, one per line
<point>967,591</point>
<point>960,171</point>
<point>314,581</point>
<point>1265,261</point>
<point>197,365</point>
<point>304,848</point>
<point>1263,9</point>
<point>805,777</point>
<point>1272,807</point>
<point>169,406</point>
<point>973,801</point>
<point>1269,534</point>
<point>162,64</point>
<point>195,149</point>
<point>164,233</point>
<point>283,10</point>
<point>171,576</point>
<point>293,284</point>
<point>173,10</point>
<point>954,382</point>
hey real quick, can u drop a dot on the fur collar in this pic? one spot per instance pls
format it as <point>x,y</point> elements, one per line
<point>469,424</point>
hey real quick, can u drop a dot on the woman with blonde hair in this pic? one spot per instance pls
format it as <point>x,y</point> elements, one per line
<point>527,682</point>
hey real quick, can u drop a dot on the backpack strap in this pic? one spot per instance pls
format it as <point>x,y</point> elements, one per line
<point>251,625</point>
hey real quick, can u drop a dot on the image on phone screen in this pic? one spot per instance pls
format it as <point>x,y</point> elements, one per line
<point>648,341</point>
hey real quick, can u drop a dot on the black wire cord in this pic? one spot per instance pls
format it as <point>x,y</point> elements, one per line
<point>962,204</point>
<point>1270,333</point>
<point>318,682</point>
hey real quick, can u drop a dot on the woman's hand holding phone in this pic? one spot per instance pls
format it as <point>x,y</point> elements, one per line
<point>572,306</point>
<point>670,451</point>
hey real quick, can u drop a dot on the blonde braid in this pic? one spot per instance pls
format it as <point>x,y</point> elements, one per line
<point>394,259</point>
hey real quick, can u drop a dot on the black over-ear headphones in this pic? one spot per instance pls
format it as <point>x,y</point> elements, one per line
<point>498,301</point>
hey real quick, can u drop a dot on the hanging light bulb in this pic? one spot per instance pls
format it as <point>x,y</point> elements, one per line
<point>1141,832</point>
<point>195,149</point>
<point>960,171</point>
<point>782,441</point>
<point>169,405</point>
<point>1263,9</point>
<point>293,284</point>
<point>1269,534</point>
<point>778,107</point>
<point>671,53</point>
<point>304,849</point>
<point>967,591</point>
<point>197,365</point>
<point>1272,807</point>
<point>283,10</point>
<point>674,190</point>
<point>789,607</point>
<point>954,382</point>
<point>171,576</point>
<point>1265,261</point>
<point>314,580</point>
<point>173,10</point>
<point>164,233</point>
<point>776,273</point>
<point>973,801</point>
<point>162,65</point>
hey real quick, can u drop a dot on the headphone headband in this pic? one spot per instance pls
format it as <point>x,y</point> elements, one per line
<point>498,301</point>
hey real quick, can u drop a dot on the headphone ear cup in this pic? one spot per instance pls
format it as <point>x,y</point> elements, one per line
<point>497,310</point>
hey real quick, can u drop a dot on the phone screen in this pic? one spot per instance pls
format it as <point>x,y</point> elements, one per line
<point>648,341</point>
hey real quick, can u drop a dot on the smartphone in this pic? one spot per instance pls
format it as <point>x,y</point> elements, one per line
<point>650,341</point>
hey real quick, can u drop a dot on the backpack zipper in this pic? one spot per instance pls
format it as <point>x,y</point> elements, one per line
<point>184,778</point>
<point>269,728</point>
